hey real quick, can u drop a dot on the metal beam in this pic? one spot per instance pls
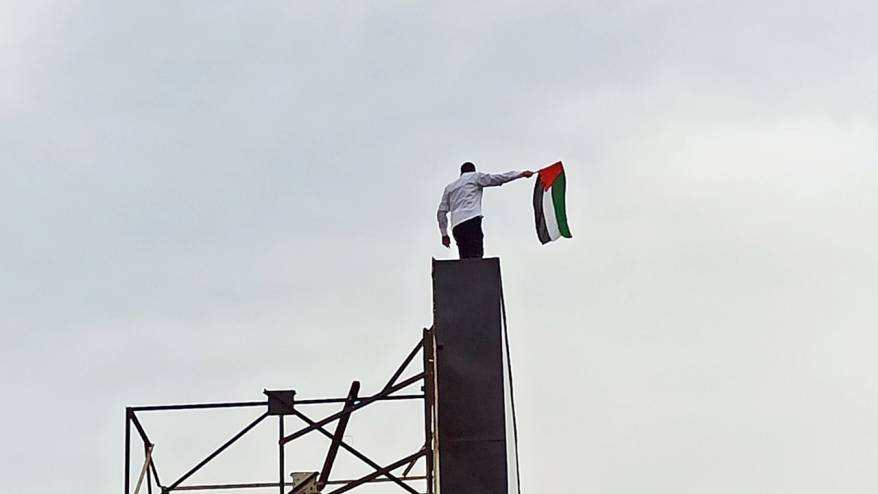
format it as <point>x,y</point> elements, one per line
<point>266,485</point>
<point>219,450</point>
<point>146,460</point>
<point>429,355</point>
<point>367,401</point>
<point>404,364</point>
<point>146,443</point>
<point>337,437</point>
<point>365,459</point>
<point>127,450</point>
<point>198,406</point>
<point>149,480</point>
<point>155,473</point>
<point>280,455</point>
<point>251,404</point>
<point>325,401</point>
<point>377,473</point>
<point>215,487</point>
<point>409,467</point>
<point>139,427</point>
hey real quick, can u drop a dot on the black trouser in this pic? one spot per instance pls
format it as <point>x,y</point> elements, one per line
<point>469,237</point>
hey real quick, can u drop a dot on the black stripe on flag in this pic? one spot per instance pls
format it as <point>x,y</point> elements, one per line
<point>539,214</point>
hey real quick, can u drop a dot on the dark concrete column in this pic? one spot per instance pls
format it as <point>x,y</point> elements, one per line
<point>468,324</point>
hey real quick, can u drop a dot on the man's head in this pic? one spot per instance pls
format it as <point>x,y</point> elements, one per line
<point>467,168</point>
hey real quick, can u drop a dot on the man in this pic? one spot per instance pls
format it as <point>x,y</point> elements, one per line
<point>463,199</point>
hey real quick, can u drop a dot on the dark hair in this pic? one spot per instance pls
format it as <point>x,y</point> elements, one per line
<point>467,167</point>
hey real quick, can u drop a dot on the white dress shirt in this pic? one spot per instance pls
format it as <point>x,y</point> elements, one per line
<point>463,197</point>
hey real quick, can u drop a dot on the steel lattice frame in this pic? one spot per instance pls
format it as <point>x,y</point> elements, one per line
<point>149,474</point>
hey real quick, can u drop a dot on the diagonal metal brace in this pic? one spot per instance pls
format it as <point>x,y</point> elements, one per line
<point>383,394</point>
<point>378,473</point>
<point>146,461</point>
<point>339,434</point>
<point>404,364</point>
<point>216,452</point>
<point>147,443</point>
<point>365,459</point>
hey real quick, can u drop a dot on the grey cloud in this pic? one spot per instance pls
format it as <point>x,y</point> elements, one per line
<point>203,199</point>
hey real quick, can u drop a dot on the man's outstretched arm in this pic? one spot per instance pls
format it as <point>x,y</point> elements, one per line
<point>442,217</point>
<point>495,179</point>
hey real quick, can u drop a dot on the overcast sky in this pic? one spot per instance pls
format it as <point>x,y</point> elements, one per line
<point>202,199</point>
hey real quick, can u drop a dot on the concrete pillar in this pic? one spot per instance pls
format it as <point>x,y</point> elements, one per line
<point>468,326</point>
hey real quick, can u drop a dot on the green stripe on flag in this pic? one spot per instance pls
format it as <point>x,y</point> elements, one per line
<point>558,190</point>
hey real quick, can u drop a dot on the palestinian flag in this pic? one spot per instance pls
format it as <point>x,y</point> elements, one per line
<point>550,211</point>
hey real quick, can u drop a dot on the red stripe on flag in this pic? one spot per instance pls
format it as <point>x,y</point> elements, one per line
<point>549,174</point>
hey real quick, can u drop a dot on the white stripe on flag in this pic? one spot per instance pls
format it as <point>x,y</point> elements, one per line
<point>549,213</point>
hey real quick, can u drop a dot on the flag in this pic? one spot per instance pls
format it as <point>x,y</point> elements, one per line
<point>550,211</point>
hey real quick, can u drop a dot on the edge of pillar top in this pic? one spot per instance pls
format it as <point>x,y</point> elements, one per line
<point>474,260</point>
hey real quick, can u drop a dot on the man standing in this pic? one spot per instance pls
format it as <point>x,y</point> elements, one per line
<point>463,199</point>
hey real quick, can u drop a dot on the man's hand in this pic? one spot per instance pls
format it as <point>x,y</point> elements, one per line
<point>527,174</point>
<point>446,241</point>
